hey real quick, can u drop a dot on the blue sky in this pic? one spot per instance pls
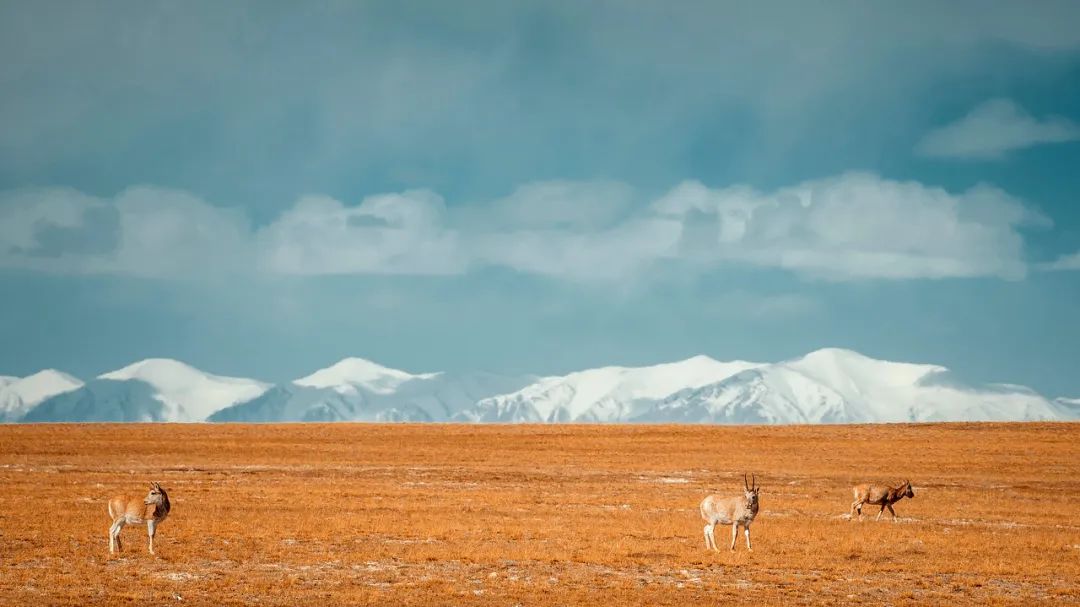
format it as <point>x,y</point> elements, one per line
<point>261,188</point>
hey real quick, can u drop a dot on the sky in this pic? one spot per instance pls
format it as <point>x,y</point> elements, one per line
<point>262,188</point>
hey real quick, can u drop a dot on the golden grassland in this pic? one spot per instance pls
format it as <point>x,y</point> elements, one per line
<point>538,515</point>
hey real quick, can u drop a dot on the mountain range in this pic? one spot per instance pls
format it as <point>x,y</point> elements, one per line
<point>825,386</point>
<point>18,395</point>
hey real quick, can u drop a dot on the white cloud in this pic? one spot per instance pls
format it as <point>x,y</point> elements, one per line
<point>614,254</point>
<point>855,226</point>
<point>26,211</point>
<point>143,231</point>
<point>859,225</point>
<point>560,204</point>
<point>577,230</point>
<point>849,227</point>
<point>386,234</point>
<point>1065,262</point>
<point>172,233</point>
<point>993,129</point>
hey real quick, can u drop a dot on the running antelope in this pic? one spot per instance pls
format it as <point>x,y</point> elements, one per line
<point>879,495</point>
<point>732,511</point>
<point>132,511</point>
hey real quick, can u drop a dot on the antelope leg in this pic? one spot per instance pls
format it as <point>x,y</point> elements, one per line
<point>151,529</point>
<point>114,535</point>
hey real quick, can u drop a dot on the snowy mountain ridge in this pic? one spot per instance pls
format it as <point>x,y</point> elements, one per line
<point>830,385</point>
<point>352,374</point>
<point>156,389</point>
<point>19,395</point>
<point>607,394</point>
<point>355,389</point>
<point>841,386</point>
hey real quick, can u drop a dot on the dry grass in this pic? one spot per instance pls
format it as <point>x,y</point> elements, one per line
<point>538,515</point>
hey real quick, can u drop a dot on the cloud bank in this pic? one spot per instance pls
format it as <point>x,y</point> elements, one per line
<point>851,226</point>
<point>1064,263</point>
<point>246,99</point>
<point>993,129</point>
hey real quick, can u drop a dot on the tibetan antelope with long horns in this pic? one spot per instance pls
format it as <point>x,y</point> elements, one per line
<point>134,511</point>
<point>732,511</point>
<point>879,495</point>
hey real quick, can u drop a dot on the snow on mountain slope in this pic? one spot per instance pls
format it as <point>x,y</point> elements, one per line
<point>19,395</point>
<point>755,396</point>
<point>188,393</point>
<point>840,386</point>
<point>1069,407</point>
<point>103,400</point>
<point>607,394</point>
<point>825,386</point>
<point>359,390</point>
<point>156,389</point>
<point>353,374</point>
<point>293,403</point>
<point>441,396</point>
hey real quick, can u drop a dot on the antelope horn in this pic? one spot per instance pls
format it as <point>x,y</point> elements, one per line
<point>744,482</point>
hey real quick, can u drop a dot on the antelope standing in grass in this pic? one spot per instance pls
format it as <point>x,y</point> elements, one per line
<point>732,511</point>
<point>133,511</point>
<point>879,495</point>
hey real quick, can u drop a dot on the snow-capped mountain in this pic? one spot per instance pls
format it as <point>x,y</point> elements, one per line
<point>826,386</point>
<point>156,389</point>
<point>608,394</point>
<point>841,386</point>
<point>350,375</point>
<point>360,390</point>
<point>19,395</point>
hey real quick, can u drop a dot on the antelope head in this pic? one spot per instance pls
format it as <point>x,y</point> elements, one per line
<point>752,490</point>
<point>901,490</point>
<point>156,495</point>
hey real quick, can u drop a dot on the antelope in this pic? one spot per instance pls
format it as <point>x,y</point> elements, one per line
<point>880,495</point>
<point>129,510</point>
<point>732,511</point>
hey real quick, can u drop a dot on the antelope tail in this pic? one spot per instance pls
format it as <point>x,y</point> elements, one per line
<point>111,515</point>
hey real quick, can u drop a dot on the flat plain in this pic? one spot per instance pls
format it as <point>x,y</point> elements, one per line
<point>538,515</point>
